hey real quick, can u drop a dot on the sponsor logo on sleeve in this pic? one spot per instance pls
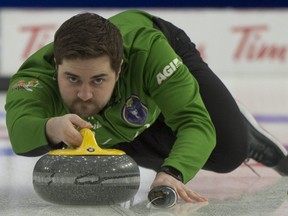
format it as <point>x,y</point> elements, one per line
<point>168,70</point>
<point>27,85</point>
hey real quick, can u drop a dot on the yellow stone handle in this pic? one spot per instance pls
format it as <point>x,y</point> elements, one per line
<point>88,146</point>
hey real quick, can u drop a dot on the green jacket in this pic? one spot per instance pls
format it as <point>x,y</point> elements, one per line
<point>153,80</point>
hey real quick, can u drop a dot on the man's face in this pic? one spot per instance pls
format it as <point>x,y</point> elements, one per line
<point>86,86</point>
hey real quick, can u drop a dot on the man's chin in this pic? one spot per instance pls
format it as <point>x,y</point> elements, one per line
<point>84,114</point>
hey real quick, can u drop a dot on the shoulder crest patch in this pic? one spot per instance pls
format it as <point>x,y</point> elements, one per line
<point>134,112</point>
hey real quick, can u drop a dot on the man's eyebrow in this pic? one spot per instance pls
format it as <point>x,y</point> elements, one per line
<point>99,76</point>
<point>93,77</point>
<point>70,74</point>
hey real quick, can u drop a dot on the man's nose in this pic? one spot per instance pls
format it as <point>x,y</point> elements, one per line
<point>85,93</point>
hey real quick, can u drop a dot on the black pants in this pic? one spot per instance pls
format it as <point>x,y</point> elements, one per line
<point>151,147</point>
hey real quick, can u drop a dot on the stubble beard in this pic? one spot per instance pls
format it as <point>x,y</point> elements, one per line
<point>85,108</point>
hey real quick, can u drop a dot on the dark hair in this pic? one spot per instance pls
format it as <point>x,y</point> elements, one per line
<point>88,35</point>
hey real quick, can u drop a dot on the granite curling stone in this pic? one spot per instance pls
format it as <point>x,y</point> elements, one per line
<point>87,175</point>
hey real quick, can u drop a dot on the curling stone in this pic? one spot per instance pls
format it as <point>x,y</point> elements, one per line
<point>87,175</point>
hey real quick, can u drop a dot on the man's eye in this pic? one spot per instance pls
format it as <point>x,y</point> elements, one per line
<point>98,81</point>
<point>72,79</point>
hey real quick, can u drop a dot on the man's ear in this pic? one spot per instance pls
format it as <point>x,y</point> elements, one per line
<point>118,73</point>
<point>56,70</point>
<point>56,66</point>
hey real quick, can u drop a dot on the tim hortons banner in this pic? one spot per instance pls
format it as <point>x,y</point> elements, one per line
<point>231,41</point>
